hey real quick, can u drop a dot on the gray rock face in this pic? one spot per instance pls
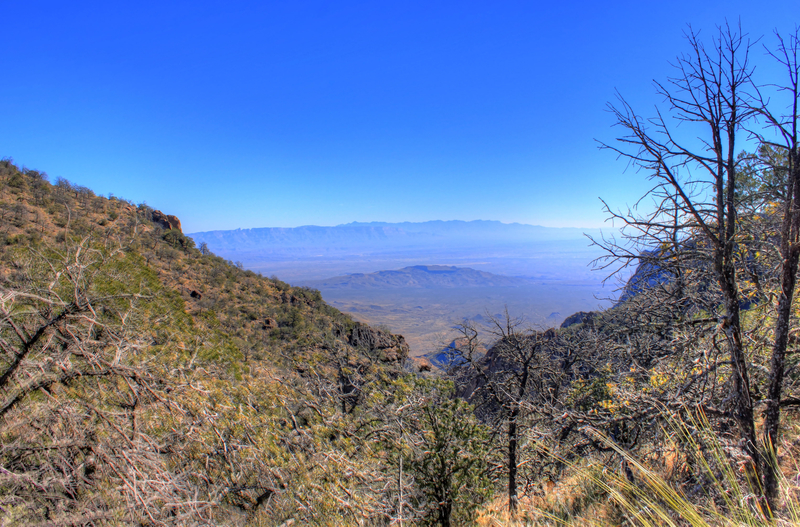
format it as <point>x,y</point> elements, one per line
<point>388,347</point>
<point>581,317</point>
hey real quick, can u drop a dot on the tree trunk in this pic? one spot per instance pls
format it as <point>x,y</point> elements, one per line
<point>742,410</point>
<point>445,511</point>
<point>791,255</point>
<point>512,460</point>
<point>772,413</point>
<point>726,273</point>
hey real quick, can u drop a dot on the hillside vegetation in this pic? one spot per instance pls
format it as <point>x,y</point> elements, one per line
<point>146,381</point>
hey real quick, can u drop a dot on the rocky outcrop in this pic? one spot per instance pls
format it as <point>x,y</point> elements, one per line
<point>385,346</point>
<point>581,317</point>
<point>167,221</point>
<point>286,298</point>
<point>423,365</point>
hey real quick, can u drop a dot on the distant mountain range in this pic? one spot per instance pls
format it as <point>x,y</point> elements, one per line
<point>379,236</point>
<point>310,252</point>
<point>419,276</point>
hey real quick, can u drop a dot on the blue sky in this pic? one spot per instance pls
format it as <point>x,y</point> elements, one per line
<point>256,114</point>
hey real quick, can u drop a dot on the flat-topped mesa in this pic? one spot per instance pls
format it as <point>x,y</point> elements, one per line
<point>167,221</point>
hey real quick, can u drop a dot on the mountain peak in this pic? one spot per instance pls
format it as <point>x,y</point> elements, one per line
<point>419,277</point>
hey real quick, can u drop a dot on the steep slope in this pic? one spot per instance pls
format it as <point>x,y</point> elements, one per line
<point>255,310</point>
<point>145,381</point>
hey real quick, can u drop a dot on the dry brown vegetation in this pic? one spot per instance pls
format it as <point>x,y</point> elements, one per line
<point>145,381</point>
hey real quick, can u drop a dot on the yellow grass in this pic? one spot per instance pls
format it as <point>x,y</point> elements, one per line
<point>595,495</point>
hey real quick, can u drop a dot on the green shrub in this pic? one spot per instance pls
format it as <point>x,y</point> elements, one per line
<point>178,240</point>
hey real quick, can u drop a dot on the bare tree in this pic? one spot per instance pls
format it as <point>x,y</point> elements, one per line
<point>784,126</point>
<point>80,389</point>
<point>705,204</point>
<point>518,373</point>
<point>695,185</point>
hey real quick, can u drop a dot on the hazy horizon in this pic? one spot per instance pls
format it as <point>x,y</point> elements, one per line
<point>420,278</point>
<point>310,113</point>
<point>380,221</point>
<point>317,252</point>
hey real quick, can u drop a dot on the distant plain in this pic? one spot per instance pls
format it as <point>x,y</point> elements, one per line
<point>551,269</point>
<point>425,316</point>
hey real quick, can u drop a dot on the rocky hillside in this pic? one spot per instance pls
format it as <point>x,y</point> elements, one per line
<point>256,311</point>
<point>145,380</point>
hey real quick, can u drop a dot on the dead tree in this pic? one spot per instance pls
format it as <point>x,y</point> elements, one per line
<point>784,127</point>
<point>81,395</point>
<point>516,374</point>
<point>695,185</point>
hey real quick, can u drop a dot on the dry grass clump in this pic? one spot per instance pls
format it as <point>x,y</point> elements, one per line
<point>650,493</point>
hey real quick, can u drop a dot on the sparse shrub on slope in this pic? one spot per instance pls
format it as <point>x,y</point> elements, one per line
<point>89,340</point>
<point>145,381</point>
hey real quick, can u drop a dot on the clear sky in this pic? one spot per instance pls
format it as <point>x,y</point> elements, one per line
<point>279,114</point>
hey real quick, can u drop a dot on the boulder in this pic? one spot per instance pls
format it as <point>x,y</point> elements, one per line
<point>423,365</point>
<point>292,300</point>
<point>168,221</point>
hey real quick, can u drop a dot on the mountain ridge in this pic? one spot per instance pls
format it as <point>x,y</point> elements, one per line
<point>405,234</point>
<point>419,276</point>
